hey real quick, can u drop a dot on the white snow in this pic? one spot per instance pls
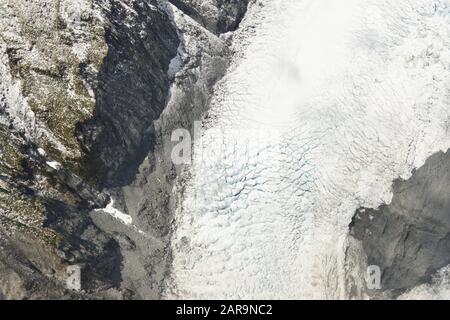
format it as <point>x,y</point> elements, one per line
<point>117,214</point>
<point>327,103</point>
<point>54,164</point>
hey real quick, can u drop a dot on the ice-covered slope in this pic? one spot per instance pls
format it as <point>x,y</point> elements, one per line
<point>328,101</point>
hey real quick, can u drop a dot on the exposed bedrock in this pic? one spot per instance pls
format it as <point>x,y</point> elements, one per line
<point>409,239</point>
<point>131,89</point>
<point>218,16</point>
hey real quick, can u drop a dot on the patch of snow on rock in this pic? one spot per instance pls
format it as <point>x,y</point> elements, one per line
<point>123,217</point>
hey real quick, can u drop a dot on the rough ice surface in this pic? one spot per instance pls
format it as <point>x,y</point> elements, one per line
<point>328,101</point>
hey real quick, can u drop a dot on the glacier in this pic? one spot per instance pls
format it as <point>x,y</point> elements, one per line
<point>325,104</point>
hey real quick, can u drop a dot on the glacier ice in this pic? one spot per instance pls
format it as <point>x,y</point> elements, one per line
<point>326,103</point>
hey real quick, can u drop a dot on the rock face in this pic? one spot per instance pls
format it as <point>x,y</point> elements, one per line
<point>131,89</point>
<point>218,16</point>
<point>409,239</point>
<point>90,91</point>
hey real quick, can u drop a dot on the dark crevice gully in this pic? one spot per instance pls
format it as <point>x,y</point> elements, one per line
<point>130,90</point>
<point>409,239</point>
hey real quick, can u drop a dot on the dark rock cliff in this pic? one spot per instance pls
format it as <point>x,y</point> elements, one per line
<point>218,16</point>
<point>409,239</point>
<point>131,90</point>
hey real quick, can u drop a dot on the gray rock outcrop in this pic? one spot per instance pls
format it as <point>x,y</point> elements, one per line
<point>218,16</point>
<point>409,239</point>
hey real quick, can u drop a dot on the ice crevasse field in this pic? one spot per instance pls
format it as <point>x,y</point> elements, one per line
<point>326,103</point>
